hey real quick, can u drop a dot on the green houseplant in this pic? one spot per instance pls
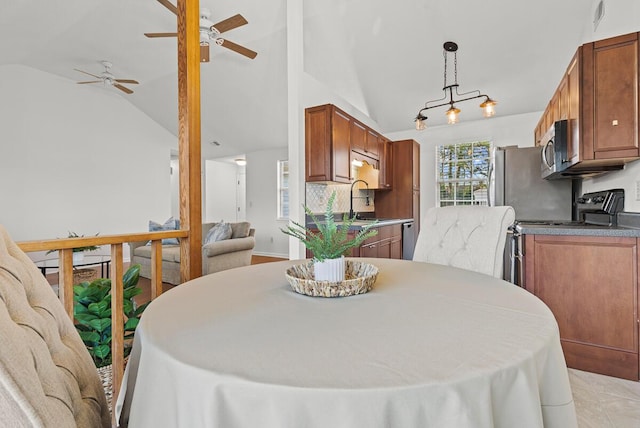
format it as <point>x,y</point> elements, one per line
<point>92,311</point>
<point>329,240</point>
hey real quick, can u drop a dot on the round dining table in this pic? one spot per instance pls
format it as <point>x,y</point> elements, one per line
<point>428,346</point>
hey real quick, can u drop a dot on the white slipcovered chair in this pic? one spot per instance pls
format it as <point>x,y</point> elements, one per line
<point>47,378</point>
<point>466,237</point>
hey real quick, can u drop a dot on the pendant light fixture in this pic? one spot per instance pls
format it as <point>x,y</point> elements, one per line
<point>488,105</point>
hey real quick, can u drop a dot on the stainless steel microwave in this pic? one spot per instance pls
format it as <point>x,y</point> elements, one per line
<point>554,150</point>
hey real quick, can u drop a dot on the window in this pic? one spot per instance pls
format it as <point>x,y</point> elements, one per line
<point>462,173</point>
<point>283,189</point>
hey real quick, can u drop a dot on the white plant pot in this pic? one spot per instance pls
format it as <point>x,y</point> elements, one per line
<point>329,270</point>
<point>78,257</point>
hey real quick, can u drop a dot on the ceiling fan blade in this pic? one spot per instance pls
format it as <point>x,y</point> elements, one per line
<point>230,23</point>
<point>134,82</point>
<point>240,49</point>
<point>92,75</point>
<point>123,89</point>
<point>92,81</point>
<point>161,34</point>
<point>204,53</point>
<point>169,5</point>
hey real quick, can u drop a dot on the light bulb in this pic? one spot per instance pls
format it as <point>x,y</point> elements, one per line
<point>421,125</point>
<point>452,115</point>
<point>241,162</point>
<point>488,107</point>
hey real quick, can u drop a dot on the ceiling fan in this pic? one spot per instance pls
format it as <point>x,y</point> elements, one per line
<point>210,32</point>
<point>108,79</point>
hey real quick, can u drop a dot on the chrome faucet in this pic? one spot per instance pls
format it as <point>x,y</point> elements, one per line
<point>351,213</point>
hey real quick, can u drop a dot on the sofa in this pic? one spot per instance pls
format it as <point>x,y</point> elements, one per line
<point>216,256</point>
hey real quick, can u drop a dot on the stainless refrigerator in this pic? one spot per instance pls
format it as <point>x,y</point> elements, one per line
<point>515,179</point>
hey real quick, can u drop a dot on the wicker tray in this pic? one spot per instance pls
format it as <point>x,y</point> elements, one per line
<point>359,278</point>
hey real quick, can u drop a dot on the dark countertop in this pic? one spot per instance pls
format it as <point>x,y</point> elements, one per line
<point>628,226</point>
<point>359,224</point>
<point>588,230</point>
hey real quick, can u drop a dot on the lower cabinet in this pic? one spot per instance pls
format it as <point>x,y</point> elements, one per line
<point>591,286</point>
<point>387,244</point>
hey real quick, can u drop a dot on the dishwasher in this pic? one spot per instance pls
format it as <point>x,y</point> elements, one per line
<point>408,240</point>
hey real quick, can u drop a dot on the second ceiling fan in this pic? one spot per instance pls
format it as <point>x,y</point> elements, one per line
<point>210,32</point>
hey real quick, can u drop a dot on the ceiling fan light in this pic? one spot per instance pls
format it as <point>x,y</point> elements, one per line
<point>452,115</point>
<point>488,107</point>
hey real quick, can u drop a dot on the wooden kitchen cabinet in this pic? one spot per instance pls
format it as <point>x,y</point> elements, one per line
<point>385,177</point>
<point>599,96</point>
<point>590,283</point>
<point>386,244</point>
<point>610,111</point>
<point>403,201</point>
<point>327,144</point>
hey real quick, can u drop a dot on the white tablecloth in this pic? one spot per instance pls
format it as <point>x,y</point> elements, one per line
<point>428,346</point>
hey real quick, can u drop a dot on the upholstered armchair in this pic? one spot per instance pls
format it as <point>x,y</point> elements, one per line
<point>467,237</point>
<point>47,378</point>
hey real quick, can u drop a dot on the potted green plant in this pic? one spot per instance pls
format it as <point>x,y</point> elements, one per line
<point>92,311</point>
<point>329,241</point>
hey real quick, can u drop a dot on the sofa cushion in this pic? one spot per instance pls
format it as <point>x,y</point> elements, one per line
<point>228,246</point>
<point>240,229</point>
<point>218,232</point>
<point>170,224</point>
<point>170,253</point>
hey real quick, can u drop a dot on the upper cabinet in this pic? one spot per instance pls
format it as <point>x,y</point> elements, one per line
<point>599,96</point>
<point>333,139</point>
<point>327,144</point>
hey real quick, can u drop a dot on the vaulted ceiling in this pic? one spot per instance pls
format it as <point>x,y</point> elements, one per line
<point>384,57</point>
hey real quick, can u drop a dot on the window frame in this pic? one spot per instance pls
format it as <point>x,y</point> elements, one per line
<point>282,190</point>
<point>475,168</point>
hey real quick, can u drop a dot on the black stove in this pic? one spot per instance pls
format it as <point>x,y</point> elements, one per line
<point>594,209</point>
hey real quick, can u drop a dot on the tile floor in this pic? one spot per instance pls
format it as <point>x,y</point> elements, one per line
<point>605,402</point>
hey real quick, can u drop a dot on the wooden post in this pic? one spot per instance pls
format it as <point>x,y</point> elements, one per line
<point>117,322</point>
<point>65,280</point>
<point>189,157</point>
<point>156,268</point>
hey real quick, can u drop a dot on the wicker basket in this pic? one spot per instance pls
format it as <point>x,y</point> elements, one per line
<point>84,275</point>
<point>359,279</point>
<point>106,377</point>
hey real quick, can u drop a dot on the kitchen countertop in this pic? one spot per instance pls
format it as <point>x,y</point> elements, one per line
<point>359,224</point>
<point>578,230</point>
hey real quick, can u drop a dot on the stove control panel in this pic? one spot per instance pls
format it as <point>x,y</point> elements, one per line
<point>605,201</point>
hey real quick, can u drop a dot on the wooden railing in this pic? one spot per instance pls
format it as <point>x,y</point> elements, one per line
<point>65,291</point>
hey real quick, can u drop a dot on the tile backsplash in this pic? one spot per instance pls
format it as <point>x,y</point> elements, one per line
<point>317,196</point>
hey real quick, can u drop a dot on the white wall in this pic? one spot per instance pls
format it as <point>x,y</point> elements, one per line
<point>77,158</point>
<point>262,196</point>
<point>220,197</point>
<point>516,130</point>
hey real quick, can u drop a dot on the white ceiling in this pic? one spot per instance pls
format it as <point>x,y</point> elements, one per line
<point>384,57</point>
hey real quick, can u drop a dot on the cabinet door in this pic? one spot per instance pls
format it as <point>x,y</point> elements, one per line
<point>358,137</point>
<point>318,144</point>
<point>590,284</point>
<point>373,144</point>
<point>341,129</point>
<point>573,108</point>
<point>415,164</point>
<point>610,86</point>
<point>396,248</point>
<point>386,165</point>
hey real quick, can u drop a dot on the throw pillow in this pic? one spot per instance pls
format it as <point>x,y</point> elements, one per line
<point>219,232</point>
<point>171,224</point>
<point>240,229</point>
